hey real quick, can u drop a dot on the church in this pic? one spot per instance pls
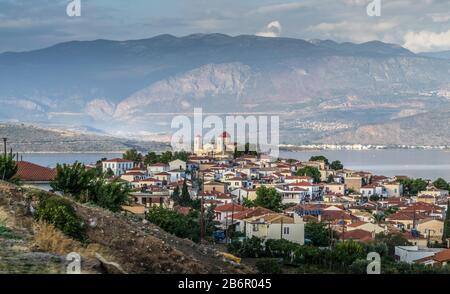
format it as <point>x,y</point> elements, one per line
<point>221,147</point>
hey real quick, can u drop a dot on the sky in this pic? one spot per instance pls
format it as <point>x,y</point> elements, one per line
<point>419,25</point>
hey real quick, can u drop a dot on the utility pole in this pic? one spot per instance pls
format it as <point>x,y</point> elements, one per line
<point>232,213</point>
<point>202,206</point>
<point>343,230</point>
<point>281,230</point>
<point>4,146</point>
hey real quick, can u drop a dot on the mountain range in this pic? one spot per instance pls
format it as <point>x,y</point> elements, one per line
<point>324,91</point>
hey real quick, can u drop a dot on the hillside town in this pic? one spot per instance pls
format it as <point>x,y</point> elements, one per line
<point>242,195</point>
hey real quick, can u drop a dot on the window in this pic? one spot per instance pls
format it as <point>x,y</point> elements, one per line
<point>286,230</point>
<point>255,228</point>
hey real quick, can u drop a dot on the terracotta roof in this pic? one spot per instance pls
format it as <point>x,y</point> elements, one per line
<point>330,215</point>
<point>229,207</point>
<point>401,215</point>
<point>357,224</point>
<point>159,164</point>
<point>162,174</point>
<point>27,171</point>
<point>272,218</point>
<point>359,235</point>
<point>257,211</point>
<point>134,173</point>
<point>442,256</point>
<point>118,160</point>
<point>302,184</point>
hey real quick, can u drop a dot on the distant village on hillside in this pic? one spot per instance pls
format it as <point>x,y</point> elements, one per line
<point>237,196</point>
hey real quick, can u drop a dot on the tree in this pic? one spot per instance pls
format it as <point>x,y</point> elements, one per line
<point>374,198</point>
<point>446,233</point>
<point>133,155</point>
<point>60,213</point>
<point>379,217</point>
<point>183,226</point>
<point>8,167</point>
<point>248,203</point>
<point>249,248</point>
<point>181,155</point>
<point>330,179</point>
<point>109,195</point>
<point>72,179</point>
<point>268,266</point>
<point>347,252</point>
<point>176,194</point>
<point>317,233</point>
<point>413,186</point>
<point>336,165</point>
<point>151,158</point>
<point>442,184</point>
<point>319,158</point>
<point>166,157</point>
<point>75,180</point>
<point>268,197</point>
<point>310,171</point>
<point>391,240</point>
<point>185,197</point>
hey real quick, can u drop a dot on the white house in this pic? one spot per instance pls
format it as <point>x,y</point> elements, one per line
<point>312,189</point>
<point>410,254</point>
<point>176,175</point>
<point>177,164</point>
<point>276,226</point>
<point>117,165</point>
<point>157,168</point>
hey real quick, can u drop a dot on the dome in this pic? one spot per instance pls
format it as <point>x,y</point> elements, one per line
<point>224,135</point>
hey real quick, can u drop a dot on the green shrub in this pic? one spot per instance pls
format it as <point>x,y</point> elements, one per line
<point>7,233</point>
<point>268,266</point>
<point>109,195</point>
<point>60,213</point>
<point>183,226</point>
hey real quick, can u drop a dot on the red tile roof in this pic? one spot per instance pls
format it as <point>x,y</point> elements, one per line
<point>257,211</point>
<point>357,224</point>
<point>442,256</point>
<point>30,172</point>
<point>401,215</point>
<point>358,235</point>
<point>229,207</point>
<point>118,160</point>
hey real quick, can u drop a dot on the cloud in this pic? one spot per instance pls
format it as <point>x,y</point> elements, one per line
<point>273,29</point>
<point>277,8</point>
<point>440,17</point>
<point>353,31</point>
<point>356,2</point>
<point>427,41</point>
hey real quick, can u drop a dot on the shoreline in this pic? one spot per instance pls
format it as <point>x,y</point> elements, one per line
<point>281,148</point>
<point>301,148</point>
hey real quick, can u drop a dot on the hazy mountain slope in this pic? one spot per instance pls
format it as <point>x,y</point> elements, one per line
<point>25,138</point>
<point>439,54</point>
<point>422,129</point>
<point>128,86</point>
